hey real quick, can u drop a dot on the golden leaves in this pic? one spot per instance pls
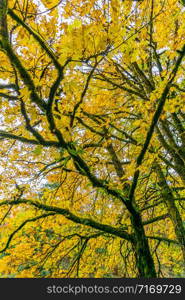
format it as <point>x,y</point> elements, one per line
<point>117,109</point>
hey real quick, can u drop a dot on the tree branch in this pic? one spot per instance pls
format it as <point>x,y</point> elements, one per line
<point>5,134</point>
<point>21,226</point>
<point>70,216</point>
<point>154,123</point>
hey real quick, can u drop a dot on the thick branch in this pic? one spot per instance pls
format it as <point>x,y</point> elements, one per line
<point>156,219</point>
<point>21,226</point>
<point>154,122</point>
<point>70,216</point>
<point>29,141</point>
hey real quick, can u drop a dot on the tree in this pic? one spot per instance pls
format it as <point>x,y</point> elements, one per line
<point>92,135</point>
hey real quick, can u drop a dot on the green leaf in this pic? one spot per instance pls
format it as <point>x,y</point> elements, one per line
<point>38,150</point>
<point>101,250</point>
<point>52,186</point>
<point>3,254</point>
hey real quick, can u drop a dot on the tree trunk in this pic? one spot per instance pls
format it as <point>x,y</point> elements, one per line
<point>172,210</point>
<point>144,259</point>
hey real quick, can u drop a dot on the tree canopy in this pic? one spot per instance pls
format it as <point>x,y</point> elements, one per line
<point>92,132</point>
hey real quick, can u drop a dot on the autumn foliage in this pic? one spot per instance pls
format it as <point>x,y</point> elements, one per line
<point>92,133</point>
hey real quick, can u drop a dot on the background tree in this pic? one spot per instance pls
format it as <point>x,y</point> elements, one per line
<point>92,134</point>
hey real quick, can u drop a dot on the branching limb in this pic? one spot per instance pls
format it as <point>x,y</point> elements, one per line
<point>70,216</point>
<point>154,123</point>
<point>22,225</point>
<point>162,239</point>
<point>84,91</point>
<point>44,143</point>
